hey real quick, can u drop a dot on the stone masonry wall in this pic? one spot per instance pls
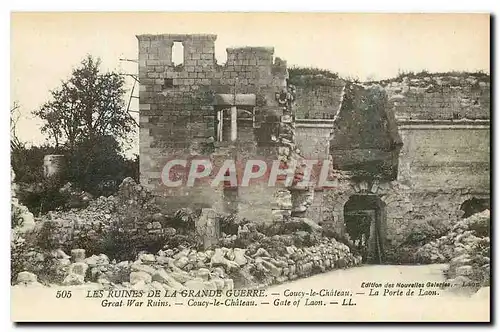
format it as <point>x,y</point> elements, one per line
<point>178,111</point>
<point>431,97</point>
<point>443,122</point>
<point>318,100</point>
<point>446,97</point>
<point>444,159</point>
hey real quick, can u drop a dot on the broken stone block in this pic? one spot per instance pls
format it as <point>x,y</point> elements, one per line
<point>181,262</point>
<point>207,229</point>
<point>26,277</point>
<point>218,258</point>
<point>94,260</point>
<point>228,284</point>
<point>261,252</point>
<point>181,276</point>
<point>163,277</point>
<point>195,284</point>
<point>137,276</point>
<point>239,256</point>
<point>78,255</point>
<point>203,274</point>
<point>78,268</point>
<point>219,272</point>
<point>60,254</point>
<point>73,279</point>
<point>274,270</point>
<point>137,266</point>
<point>210,285</point>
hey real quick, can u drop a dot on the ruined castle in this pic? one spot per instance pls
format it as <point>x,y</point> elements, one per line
<point>405,152</point>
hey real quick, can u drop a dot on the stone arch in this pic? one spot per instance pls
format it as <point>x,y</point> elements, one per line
<point>335,199</point>
<point>365,219</point>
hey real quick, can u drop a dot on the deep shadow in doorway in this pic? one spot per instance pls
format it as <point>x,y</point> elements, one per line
<point>365,221</point>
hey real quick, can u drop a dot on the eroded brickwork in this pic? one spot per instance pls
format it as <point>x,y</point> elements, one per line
<point>318,99</point>
<point>443,162</point>
<point>431,132</point>
<point>179,105</point>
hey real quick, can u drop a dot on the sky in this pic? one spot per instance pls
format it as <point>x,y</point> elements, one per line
<point>46,46</point>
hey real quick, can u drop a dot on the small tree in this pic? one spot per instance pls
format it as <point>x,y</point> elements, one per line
<point>87,106</point>
<point>87,118</point>
<point>15,142</point>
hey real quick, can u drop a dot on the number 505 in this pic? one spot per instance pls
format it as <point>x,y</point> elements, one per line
<point>65,294</point>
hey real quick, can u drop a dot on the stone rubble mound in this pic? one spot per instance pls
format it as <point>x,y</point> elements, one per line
<point>22,219</point>
<point>466,248</point>
<point>184,268</point>
<point>249,255</point>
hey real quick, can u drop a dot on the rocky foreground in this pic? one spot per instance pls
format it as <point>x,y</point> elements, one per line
<point>222,268</point>
<point>466,248</point>
<point>125,240</point>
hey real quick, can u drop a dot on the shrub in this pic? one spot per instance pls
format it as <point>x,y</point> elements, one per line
<point>27,162</point>
<point>97,167</point>
<point>229,224</point>
<point>44,197</point>
<point>31,251</point>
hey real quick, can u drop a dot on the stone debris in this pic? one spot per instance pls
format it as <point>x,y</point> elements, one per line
<point>26,277</point>
<point>222,268</point>
<point>22,220</point>
<point>138,276</point>
<point>245,257</point>
<point>467,250</point>
<point>73,279</point>
<point>78,255</point>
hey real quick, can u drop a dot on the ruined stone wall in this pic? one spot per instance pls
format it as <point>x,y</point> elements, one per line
<point>442,120</point>
<point>445,97</point>
<point>444,124</point>
<point>408,216</point>
<point>317,97</point>
<point>428,97</point>
<point>446,156</point>
<point>177,107</point>
<point>313,137</point>
<point>443,162</point>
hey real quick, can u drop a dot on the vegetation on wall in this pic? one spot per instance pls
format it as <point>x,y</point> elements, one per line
<point>457,76</point>
<point>309,76</point>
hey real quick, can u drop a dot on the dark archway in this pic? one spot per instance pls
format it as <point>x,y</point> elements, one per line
<point>365,221</point>
<point>474,205</point>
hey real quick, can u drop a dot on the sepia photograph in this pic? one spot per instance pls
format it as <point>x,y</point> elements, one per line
<point>250,167</point>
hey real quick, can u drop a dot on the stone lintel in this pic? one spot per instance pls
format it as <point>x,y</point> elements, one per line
<point>235,100</point>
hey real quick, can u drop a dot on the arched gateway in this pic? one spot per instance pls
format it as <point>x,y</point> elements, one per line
<point>364,216</point>
<point>365,143</point>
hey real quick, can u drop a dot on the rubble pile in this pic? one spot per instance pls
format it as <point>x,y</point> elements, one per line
<point>221,268</point>
<point>75,199</point>
<point>428,82</point>
<point>248,254</point>
<point>21,218</point>
<point>130,212</point>
<point>466,248</point>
